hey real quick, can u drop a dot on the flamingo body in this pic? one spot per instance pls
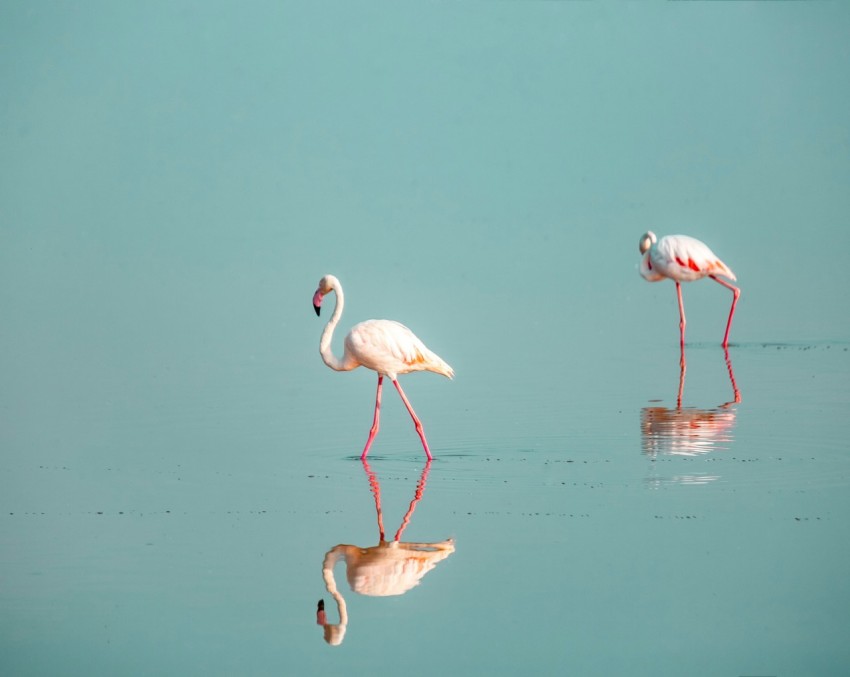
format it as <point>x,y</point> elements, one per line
<point>390,348</point>
<point>385,346</point>
<point>685,259</point>
<point>682,258</point>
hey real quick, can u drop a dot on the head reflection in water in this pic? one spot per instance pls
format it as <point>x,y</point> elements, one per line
<point>689,431</point>
<point>389,568</point>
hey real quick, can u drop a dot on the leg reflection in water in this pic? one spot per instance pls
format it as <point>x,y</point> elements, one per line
<point>683,368</point>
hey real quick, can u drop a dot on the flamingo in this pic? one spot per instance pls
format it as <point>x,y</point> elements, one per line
<point>385,346</point>
<point>685,259</point>
<point>689,431</point>
<point>389,568</point>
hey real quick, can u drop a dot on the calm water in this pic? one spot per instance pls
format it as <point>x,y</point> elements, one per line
<point>179,469</point>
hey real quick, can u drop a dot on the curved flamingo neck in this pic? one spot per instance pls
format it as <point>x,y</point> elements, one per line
<point>334,633</point>
<point>325,342</point>
<point>341,608</point>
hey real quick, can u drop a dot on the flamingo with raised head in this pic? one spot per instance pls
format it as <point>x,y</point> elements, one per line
<point>384,346</point>
<point>685,259</point>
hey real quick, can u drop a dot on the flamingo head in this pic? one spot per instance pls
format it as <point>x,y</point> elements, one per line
<point>326,285</point>
<point>334,634</point>
<point>646,241</point>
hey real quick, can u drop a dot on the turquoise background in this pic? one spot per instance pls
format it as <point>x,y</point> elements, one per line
<point>175,177</point>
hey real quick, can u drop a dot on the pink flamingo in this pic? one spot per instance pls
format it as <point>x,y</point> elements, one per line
<point>384,346</point>
<point>684,259</point>
<point>688,431</point>
<point>389,568</point>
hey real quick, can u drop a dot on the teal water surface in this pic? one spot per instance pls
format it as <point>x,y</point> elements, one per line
<point>179,469</point>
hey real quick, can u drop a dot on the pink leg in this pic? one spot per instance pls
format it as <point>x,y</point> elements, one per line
<point>681,317</point>
<point>375,420</point>
<point>735,294</point>
<point>415,418</point>
<point>683,368</point>
<point>732,377</point>
<point>420,489</point>
<point>376,492</point>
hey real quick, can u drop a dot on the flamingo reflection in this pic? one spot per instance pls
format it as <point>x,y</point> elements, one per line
<point>389,568</point>
<point>689,431</point>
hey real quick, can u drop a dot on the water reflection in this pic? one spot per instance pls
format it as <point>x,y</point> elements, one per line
<point>683,367</point>
<point>686,432</point>
<point>388,568</point>
<point>689,431</point>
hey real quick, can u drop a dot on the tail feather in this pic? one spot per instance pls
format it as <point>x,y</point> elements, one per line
<point>442,368</point>
<point>717,267</point>
<point>438,365</point>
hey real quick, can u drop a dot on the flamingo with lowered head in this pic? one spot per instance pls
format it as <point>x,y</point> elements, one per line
<point>389,568</point>
<point>684,259</point>
<point>384,346</point>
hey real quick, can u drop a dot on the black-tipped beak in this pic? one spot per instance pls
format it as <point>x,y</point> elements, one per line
<point>318,309</point>
<point>317,300</point>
